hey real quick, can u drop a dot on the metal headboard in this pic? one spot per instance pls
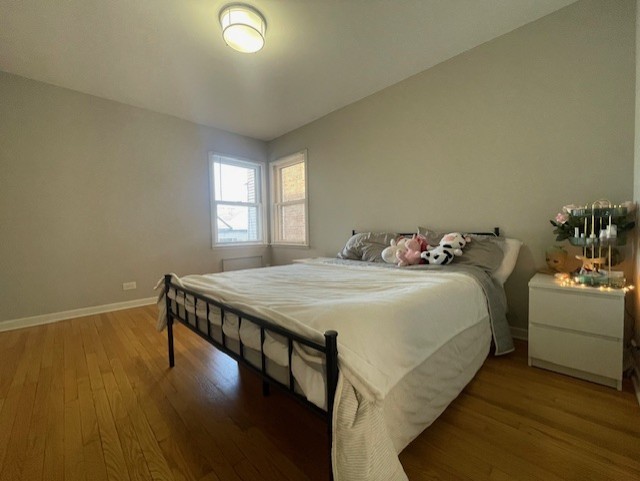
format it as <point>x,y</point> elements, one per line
<point>496,232</point>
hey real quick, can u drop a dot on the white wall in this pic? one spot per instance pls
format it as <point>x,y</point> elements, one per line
<point>95,193</point>
<point>502,135</point>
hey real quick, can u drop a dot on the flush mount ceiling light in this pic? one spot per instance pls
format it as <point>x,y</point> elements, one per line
<point>243,28</point>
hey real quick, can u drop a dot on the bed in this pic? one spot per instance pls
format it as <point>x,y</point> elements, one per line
<point>379,350</point>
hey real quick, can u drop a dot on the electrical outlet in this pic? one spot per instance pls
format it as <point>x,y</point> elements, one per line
<point>128,286</point>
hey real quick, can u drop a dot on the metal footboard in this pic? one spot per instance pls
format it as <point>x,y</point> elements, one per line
<point>329,349</point>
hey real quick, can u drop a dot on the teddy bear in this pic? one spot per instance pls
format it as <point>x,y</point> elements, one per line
<point>389,254</point>
<point>450,246</point>
<point>413,249</point>
<point>556,258</point>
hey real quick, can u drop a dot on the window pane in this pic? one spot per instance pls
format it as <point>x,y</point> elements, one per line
<point>237,224</point>
<point>234,183</point>
<point>292,223</point>
<point>292,182</point>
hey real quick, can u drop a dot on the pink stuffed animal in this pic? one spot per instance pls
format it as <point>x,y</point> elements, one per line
<point>390,253</point>
<point>412,250</point>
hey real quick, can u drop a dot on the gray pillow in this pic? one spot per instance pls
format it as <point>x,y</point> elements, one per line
<point>367,246</point>
<point>433,237</point>
<point>484,251</point>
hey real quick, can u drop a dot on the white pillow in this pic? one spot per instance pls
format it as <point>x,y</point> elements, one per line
<point>511,248</point>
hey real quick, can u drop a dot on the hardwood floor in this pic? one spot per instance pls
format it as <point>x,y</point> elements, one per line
<point>93,399</point>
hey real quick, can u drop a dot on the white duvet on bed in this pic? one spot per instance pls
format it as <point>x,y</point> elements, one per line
<point>389,321</point>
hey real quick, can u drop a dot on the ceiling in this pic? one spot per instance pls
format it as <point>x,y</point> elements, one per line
<point>320,55</point>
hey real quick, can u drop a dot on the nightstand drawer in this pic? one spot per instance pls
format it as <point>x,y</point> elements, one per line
<point>579,311</point>
<point>578,351</point>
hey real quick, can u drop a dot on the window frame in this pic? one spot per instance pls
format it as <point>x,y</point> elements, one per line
<point>275,168</point>
<point>259,167</point>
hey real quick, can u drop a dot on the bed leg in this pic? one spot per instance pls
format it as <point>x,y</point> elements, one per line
<point>331,343</point>
<point>172,361</point>
<point>167,284</point>
<point>266,388</point>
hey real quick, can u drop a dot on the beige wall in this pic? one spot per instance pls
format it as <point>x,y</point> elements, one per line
<point>502,135</point>
<point>95,193</point>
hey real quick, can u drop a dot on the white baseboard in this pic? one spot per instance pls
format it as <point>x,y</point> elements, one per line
<point>520,333</point>
<point>61,316</point>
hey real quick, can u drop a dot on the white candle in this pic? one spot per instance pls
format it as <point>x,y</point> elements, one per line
<point>576,232</point>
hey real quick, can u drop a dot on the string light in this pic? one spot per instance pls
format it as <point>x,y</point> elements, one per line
<point>565,280</point>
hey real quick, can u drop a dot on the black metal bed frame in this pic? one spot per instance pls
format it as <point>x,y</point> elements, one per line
<point>329,348</point>
<point>495,233</point>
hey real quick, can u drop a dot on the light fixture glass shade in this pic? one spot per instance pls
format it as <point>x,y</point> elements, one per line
<point>243,28</point>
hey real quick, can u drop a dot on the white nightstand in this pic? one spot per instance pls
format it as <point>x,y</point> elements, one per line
<point>576,330</point>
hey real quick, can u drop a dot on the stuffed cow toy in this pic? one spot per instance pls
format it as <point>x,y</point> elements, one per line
<point>449,247</point>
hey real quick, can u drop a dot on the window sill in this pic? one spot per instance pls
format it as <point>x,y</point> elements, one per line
<point>295,246</point>
<point>243,244</point>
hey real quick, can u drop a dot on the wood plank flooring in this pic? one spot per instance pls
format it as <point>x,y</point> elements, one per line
<point>93,399</point>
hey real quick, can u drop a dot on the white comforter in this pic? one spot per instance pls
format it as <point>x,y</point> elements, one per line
<point>388,322</point>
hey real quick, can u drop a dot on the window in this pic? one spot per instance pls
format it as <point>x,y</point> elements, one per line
<point>236,201</point>
<point>289,200</point>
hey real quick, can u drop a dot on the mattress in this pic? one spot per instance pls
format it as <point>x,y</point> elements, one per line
<point>309,370</point>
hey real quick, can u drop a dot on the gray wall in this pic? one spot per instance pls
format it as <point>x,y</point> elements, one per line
<point>95,193</point>
<point>504,134</point>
